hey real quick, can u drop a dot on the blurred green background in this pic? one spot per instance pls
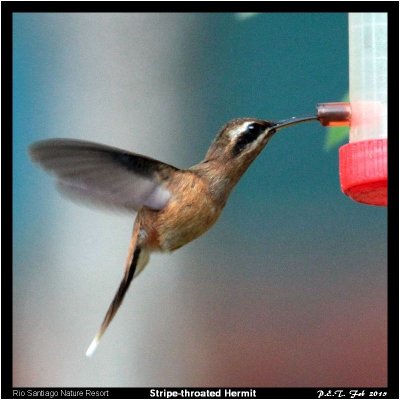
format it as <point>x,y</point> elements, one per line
<point>287,289</point>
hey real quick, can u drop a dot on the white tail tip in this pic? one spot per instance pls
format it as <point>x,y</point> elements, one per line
<point>91,349</point>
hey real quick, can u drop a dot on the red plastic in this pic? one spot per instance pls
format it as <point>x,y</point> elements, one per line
<point>363,171</point>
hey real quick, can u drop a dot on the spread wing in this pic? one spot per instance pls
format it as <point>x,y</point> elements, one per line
<point>104,175</point>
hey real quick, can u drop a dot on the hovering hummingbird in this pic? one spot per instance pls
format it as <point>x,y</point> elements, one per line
<point>174,206</point>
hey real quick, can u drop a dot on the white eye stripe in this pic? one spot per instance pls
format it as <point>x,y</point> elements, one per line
<point>233,133</point>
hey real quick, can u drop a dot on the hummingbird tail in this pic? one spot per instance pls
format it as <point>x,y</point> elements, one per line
<point>137,259</point>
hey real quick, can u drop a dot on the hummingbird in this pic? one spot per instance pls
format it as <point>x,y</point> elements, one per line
<point>173,206</point>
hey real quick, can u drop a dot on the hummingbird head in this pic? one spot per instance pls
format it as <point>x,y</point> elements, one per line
<point>235,147</point>
<point>241,140</point>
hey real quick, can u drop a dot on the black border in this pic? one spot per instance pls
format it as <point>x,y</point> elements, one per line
<point>198,6</point>
<point>393,201</point>
<point>392,7</point>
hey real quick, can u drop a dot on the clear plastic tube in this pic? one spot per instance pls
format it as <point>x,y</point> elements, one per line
<point>368,75</point>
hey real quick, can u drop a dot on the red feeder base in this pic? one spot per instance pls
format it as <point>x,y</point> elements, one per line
<point>363,171</point>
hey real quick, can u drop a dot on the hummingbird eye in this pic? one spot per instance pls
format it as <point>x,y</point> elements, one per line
<point>249,135</point>
<point>255,129</point>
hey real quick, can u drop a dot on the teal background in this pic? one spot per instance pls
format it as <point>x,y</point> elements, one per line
<point>287,289</point>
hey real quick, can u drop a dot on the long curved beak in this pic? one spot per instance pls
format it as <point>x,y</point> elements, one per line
<point>293,121</point>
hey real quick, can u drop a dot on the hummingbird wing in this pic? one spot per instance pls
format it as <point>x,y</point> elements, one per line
<point>104,175</point>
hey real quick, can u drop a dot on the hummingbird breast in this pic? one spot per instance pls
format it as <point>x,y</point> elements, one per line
<point>190,212</point>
